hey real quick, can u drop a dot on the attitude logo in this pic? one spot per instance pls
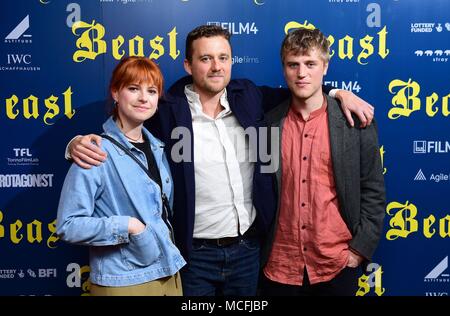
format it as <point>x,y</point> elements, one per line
<point>439,273</point>
<point>18,34</point>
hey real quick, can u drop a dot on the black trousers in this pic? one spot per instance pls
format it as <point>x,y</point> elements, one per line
<point>344,284</point>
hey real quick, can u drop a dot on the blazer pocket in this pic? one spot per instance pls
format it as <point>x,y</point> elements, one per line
<point>142,250</point>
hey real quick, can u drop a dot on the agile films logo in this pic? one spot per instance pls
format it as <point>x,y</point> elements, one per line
<point>435,177</point>
<point>239,29</point>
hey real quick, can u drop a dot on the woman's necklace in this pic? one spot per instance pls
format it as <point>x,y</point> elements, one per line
<point>134,140</point>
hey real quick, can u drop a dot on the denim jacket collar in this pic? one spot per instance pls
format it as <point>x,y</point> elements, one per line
<point>110,128</point>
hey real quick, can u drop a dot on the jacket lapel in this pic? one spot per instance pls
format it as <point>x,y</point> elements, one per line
<point>336,121</point>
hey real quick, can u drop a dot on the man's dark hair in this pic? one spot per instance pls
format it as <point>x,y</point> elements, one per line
<point>204,31</point>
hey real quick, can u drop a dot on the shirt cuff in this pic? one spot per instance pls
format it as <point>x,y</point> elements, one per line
<point>120,230</point>
<point>67,152</point>
<point>333,92</point>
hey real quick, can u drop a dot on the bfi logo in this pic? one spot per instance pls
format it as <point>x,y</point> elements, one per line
<point>47,273</point>
<point>22,152</point>
<point>19,59</point>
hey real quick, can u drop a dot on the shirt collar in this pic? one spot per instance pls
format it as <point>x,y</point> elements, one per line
<point>196,106</point>
<point>313,114</point>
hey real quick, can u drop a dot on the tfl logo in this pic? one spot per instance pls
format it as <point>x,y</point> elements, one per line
<point>22,152</point>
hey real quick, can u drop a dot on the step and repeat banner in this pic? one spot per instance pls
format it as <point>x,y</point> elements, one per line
<point>54,75</point>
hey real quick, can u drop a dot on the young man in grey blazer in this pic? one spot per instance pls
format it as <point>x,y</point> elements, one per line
<point>331,194</point>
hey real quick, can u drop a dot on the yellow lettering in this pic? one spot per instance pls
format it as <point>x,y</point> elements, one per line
<point>430,101</point>
<point>173,51</point>
<point>330,39</point>
<point>427,223</point>
<point>68,111</point>
<point>158,49</point>
<point>346,42</point>
<point>10,104</point>
<point>86,286</point>
<point>2,228</point>
<point>30,107</point>
<point>444,226</point>
<point>382,152</point>
<point>364,286</point>
<point>53,109</point>
<point>445,110</point>
<point>403,222</point>
<point>34,107</point>
<point>345,46</point>
<point>405,99</point>
<point>34,231</point>
<point>379,290</point>
<point>366,44</point>
<point>53,236</point>
<point>140,46</point>
<point>90,43</point>
<point>382,50</point>
<point>116,44</point>
<point>15,227</point>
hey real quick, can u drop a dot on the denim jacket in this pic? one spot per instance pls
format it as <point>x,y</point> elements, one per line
<point>96,204</point>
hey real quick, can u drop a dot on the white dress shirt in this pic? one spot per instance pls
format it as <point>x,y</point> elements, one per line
<point>223,172</point>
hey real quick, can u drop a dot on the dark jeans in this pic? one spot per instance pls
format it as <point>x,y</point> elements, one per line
<point>344,284</point>
<point>230,270</point>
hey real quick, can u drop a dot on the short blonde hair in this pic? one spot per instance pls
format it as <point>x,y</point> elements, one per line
<point>301,41</point>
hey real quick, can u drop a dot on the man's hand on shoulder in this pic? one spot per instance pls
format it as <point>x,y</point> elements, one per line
<point>85,151</point>
<point>351,103</point>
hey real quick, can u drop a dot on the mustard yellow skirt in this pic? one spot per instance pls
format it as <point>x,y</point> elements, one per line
<point>168,286</point>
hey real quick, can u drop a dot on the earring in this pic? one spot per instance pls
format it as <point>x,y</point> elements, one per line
<point>115,103</point>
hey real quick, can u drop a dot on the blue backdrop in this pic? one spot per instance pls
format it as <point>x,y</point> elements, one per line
<point>53,85</point>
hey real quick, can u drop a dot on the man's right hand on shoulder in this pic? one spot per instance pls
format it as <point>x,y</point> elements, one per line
<point>85,151</point>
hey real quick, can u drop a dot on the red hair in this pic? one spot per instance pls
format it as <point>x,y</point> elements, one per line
<point>135,70</point>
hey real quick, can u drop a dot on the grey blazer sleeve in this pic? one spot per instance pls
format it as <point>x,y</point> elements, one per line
<point>368,231</point>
